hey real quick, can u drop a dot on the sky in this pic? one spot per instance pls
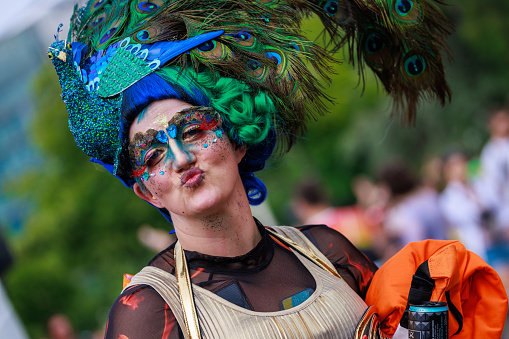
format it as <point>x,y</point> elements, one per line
<point>24,13</point>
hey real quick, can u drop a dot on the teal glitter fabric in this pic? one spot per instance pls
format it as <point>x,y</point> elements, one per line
<point>123,70</point>
<point>93,121</point>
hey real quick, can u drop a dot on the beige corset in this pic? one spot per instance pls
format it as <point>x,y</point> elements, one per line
<point>332,311</point>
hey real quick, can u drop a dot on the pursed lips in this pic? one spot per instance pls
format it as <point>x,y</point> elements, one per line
<point>192,177</point>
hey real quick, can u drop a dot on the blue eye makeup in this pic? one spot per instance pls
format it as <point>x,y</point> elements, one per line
<point>148,148</point>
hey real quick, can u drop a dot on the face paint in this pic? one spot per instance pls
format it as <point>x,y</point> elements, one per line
<point>187,128</point>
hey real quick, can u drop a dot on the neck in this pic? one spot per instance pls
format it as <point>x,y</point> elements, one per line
<point>229,232</point>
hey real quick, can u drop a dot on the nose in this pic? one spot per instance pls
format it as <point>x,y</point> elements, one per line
<point>182,158</point>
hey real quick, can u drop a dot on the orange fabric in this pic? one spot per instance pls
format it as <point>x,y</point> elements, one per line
<point>126,280</point>
<point>475,288</point>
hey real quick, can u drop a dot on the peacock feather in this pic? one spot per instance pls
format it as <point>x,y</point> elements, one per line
<point>115,43</point>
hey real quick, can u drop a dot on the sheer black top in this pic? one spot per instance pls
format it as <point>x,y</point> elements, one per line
<point>267,278</point>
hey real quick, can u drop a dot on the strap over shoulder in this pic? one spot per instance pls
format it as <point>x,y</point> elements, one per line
<point>299,242</point>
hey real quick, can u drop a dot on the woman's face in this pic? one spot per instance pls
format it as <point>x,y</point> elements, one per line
<point>184,159</point>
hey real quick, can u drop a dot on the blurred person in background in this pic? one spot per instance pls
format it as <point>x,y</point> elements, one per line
<point>60,327</point>
<point>463,206</point>
<point>495,178</point>
<point>412,212</point>
<point>495,164</point>
<point>311,205</point>
<point>431,175</point>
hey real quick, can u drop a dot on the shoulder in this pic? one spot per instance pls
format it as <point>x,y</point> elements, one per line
<point>321,231</point>
<point>330,242</point>
<point>137,306</point>
<point>137,301</point>
<point>353,266</point>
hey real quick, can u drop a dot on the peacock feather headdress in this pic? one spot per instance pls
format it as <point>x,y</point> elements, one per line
<point>114,44</point>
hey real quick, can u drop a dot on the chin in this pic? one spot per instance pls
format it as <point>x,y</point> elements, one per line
<point>203,203</point>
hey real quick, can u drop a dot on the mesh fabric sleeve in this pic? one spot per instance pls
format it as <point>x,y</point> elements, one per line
<point>139,312</point>
<point>353,266</point>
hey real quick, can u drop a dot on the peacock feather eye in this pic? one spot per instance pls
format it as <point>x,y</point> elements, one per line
<point>295,47</point>
<point>403,7</point>
<point>255,70</point>
<point>110,33</point>
<point>406,11</point>
<point>252,65</point>
<point>147,34</point>
<point>266,18</point>
<point>279,60</point>
<point>212,50</point>
<point>374,43</point>
<point>337,10</point>
<point>242,38</point>
<point>95,5</point>
<point>375,49</point>
<point>331,7</point>
<point>207,46</point>
<point>98,20</point>
<point>415,65</point>
<point>416,70</point>
<point>143,35</point>
<point>147,6</point>
<point>274,57</point>
<point>298,46</point>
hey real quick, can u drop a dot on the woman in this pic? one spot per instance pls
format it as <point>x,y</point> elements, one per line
<point>183,101</point>
<point>195,177</point>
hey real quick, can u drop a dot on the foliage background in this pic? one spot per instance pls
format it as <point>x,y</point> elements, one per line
<point>80,236</point>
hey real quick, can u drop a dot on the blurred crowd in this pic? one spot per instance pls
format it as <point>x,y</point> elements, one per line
<point>453,196</point>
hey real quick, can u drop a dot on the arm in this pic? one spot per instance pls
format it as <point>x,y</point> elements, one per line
<point>139,312</point>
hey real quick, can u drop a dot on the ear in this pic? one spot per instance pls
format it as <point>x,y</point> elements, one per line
<point>239,151</point>
<point>146,195</point>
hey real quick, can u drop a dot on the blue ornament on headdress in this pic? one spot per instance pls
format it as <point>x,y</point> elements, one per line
<point>93,121</point>
<point>91,88</point>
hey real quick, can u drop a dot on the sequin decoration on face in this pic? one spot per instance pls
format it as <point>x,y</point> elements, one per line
<point>185,127</point>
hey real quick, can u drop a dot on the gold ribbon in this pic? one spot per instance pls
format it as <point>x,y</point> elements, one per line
<point>186,293</point>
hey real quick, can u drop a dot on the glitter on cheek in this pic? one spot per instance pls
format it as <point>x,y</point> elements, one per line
<point>145,176</point>
<point>219,133</point>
